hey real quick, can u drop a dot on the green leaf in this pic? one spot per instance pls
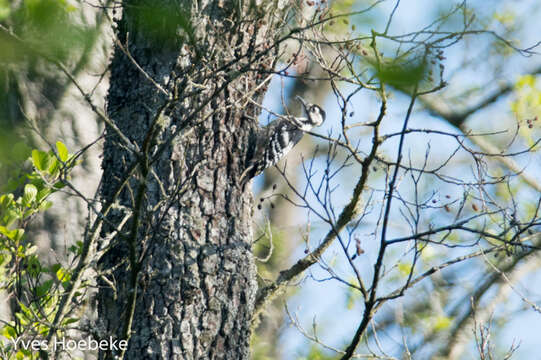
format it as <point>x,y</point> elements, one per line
<point>45,205</point>
<point>525,80</point>
<point>9,332</point>
<point>77,249</point>
<point>405,269</point>
<point>25,310</point>
<point>442,323</point>
<point>59,185</point>
<point>14,235</point>
<point>43,193</point>
<point>28,213</point>
<point>40,159</point>
<point>62,151</point>
<point>70,321</point>
<point>44,288</point>
<point>18,234</point>
<point>33,267</point>
<point>55,267</point>
<point>4,231</point>
<point>66,285</point>
<point>30,192</point>
<point>165,23</point>
<point>62,275</point>
<point>54,165</point>
<point>6,201</point>
<point>9,217</point>
<point>5,257</point>
<point>401,73</point>
<point>5,10</point>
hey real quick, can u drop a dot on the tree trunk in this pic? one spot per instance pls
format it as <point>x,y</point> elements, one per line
<point>179,278</point>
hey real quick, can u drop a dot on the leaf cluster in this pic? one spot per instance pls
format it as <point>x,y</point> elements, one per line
<point>34,287</point>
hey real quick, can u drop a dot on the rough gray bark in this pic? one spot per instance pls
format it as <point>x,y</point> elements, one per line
<point>183,263</point>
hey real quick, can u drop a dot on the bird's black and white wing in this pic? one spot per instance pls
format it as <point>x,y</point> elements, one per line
<point>279,137</point>
<point>272,144</point>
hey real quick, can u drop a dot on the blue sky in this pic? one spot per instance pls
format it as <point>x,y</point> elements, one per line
<point>326,301</point>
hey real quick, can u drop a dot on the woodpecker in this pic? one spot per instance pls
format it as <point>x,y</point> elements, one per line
<point>276,139</point>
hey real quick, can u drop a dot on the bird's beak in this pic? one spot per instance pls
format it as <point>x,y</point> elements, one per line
<point>301,100</point>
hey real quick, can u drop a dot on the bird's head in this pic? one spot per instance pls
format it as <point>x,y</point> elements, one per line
<point>316,115</point>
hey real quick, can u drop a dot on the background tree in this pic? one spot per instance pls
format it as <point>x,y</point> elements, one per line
<point>389,224</point>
